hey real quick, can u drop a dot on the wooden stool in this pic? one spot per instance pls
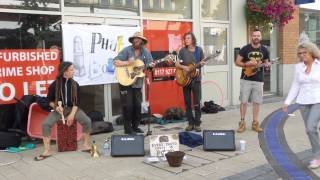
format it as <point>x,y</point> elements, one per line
<point>67,136</point>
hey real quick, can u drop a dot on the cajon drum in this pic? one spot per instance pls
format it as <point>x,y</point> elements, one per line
<point>67,136</point>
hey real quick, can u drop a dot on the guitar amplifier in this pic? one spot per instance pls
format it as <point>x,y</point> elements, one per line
<point>127,145</point>
<point>218,140</point>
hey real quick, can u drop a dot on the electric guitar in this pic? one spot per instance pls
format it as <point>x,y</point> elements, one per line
<point>127,75</point>
<point>184,78</point>
<point>250,71</point>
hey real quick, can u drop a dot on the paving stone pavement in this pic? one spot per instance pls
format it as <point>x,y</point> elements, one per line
<point>199,164</point>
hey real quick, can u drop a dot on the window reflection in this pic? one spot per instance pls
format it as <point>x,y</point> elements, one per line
<point>116,7</point>
<point>177,9</point>
<point>215,10</point>
<point>165,37</point>
<point>215,38</point>
<point>310,26</point>
<point>28,31</point>
<point>47,5</point>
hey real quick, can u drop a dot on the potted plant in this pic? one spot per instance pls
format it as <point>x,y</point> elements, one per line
<point>266,13</point>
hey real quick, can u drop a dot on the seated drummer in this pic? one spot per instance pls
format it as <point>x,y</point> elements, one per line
<point>64,89</point>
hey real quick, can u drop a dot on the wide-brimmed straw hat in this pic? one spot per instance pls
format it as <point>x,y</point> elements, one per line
<point>138,35</point>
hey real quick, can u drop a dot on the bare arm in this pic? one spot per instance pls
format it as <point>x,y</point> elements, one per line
<point>119,63</point>
<point>239,62</point>
<point>73,111</point>
<point>51,104</point>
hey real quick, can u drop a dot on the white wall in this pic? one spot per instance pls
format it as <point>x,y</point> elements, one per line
<point>286,76</point>
<point>238,39</point>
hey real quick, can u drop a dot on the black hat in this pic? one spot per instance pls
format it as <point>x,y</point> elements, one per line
<point>63,66</point>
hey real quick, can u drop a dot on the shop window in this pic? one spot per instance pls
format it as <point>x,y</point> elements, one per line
<point>29,54</point>
<point>165,37</point>
<point>115,7</point>
<point>215,38</point>
<point>215,10</point>
<point>310,26</point>
<point>29,31</point>
<point>174,9</point>
<point>52,5</point>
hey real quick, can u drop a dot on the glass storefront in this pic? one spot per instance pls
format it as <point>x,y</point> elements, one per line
<point>46,5</point>
<point>215,10</point>
<point>174,9</point>
<point>310,25</point>
<point>163,23</point>
<point>29,31</point>
<point>114,7</point>
<point>216,39</point>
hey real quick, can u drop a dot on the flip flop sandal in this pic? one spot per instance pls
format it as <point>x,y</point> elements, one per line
<point>41,157</point>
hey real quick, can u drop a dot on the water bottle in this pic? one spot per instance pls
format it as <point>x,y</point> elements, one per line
<point>106,148</point>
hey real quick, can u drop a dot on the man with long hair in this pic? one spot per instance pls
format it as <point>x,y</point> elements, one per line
<point>191,53</point>
<point>131,96</point>
<point>66,90</point>
<point>251,87</point>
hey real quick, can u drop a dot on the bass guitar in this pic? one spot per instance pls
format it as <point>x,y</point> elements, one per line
<point>184,78</point>
<point>127,75</point>
<point>250,71</point>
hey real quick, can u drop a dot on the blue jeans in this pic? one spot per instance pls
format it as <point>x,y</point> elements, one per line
<point>311,116</point>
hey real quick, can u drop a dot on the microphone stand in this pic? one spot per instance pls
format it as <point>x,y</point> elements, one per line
<point>149,132</point>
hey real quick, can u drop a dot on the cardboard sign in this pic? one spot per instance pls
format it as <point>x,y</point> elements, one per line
<point>161,144</point>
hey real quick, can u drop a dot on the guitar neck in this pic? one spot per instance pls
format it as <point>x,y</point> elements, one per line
<point>159,60</point>
<point>203,60</point>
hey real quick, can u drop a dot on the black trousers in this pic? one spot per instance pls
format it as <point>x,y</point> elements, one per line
<point>195,89</point>
<point>131,99</point>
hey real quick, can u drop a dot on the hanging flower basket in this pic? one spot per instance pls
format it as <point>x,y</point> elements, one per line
<point>269,12</point>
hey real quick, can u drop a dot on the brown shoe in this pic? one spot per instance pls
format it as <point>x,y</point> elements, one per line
<point>197,128</point>
<point>256,127</point>
<point>242,126</point>
<point>189,128</point>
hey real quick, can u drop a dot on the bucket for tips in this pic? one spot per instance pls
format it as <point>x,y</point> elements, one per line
<point>175,158</point>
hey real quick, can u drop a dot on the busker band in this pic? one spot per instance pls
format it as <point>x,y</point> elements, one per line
<point>129,66</point>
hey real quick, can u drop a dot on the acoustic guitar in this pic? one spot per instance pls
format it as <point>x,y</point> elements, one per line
<point>184,78</point>
<point>127,75</point>
<point>250,71</point>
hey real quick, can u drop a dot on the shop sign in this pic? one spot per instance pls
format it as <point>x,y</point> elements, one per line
<point>26,72</point>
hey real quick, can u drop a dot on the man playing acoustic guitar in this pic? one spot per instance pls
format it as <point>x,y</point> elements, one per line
<point>131,96</point>
<point>191,54</point>
<point>252,58</point>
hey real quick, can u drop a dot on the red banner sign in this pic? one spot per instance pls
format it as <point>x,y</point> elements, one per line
<point>26,72</point>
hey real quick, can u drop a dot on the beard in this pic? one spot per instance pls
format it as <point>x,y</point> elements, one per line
<point>255,41</point>
<point>137,45</point>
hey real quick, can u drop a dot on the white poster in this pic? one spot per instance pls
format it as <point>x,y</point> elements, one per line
<point>92,48</point>
<point>162,144</point>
